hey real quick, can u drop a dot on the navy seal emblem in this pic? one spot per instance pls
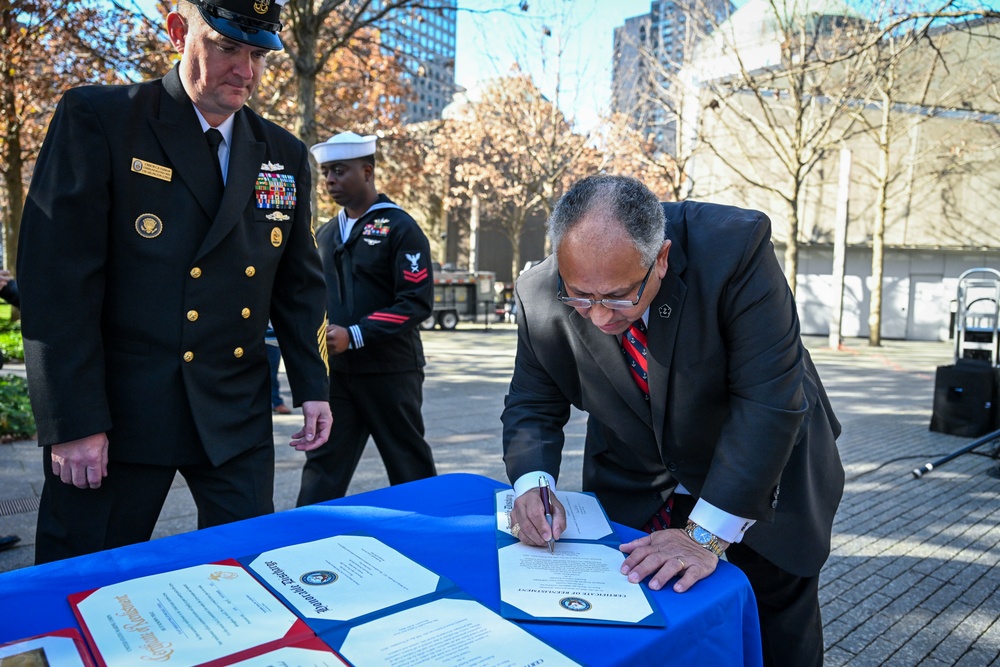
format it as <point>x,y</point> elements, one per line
<point>318,578</point>
<point>575,604</point>
<point>148,225</point>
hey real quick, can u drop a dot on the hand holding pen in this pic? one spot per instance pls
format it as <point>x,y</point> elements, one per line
<point>543,489</point>
<point>533,512</point>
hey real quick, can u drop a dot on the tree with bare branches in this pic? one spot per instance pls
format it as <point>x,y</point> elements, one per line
<point>516,152</point>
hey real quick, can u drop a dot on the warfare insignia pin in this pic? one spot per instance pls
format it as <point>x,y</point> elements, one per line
<point>278,215</point>
<point>148,225</point>
<point>271,166</point>
<point>151,169</point>
<point>276,237</point>
<point>664,311</point>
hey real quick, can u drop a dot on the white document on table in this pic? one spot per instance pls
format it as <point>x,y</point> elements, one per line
<point>342,578</point>
<point>585,518</point>
<point>183,618</point>
<point>446,633</point>
<point>580,582</point>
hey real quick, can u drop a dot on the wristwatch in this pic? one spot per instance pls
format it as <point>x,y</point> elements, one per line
<point>704,538</point>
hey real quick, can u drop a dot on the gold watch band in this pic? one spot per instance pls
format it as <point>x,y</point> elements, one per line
<point>698,534</point>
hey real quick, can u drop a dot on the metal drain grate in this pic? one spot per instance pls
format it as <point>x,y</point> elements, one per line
<point>18,506</point>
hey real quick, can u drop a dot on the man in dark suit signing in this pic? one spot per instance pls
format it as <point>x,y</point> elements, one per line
<point>166,222</point>
<point>673,327</point>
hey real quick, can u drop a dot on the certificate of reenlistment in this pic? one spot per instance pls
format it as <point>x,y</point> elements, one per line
<point>580,582</point>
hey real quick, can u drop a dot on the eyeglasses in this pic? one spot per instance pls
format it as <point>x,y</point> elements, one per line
<point>612,304</point>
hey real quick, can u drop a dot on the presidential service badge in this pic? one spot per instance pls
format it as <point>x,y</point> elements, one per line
<point>276,237</point>
<point>148,225</point>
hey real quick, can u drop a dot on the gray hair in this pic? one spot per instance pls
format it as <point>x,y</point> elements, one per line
<point>621,198</point>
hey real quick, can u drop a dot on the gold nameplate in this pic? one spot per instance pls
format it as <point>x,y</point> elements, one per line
<point>152,169</point>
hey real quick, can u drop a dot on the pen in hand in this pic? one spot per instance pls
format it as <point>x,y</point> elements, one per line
<point>543,488</point>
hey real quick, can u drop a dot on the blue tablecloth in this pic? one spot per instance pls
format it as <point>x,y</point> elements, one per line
<point>445,523</point>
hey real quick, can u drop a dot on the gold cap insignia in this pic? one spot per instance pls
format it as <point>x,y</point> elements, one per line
<point>276,237</point>
<point>278,216</point>
<point>261,6</point>
<point>148,225</point>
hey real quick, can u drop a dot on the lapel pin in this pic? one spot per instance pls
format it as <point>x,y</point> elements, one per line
<point>665,311</point>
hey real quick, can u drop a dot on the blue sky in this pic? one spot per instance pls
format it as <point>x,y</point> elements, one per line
<point>488,43</point>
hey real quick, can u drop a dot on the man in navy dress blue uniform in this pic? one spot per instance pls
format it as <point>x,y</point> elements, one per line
<point>166,222</point>
<point>379,285</point>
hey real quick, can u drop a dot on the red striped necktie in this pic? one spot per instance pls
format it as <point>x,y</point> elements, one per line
<point>634,348</point>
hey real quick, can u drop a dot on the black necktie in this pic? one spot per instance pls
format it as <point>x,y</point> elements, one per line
<point>214,138</point>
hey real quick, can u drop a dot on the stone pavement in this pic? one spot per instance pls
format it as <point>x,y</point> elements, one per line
<point>913,577</point>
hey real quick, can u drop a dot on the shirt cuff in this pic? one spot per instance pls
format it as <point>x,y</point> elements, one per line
<point>529,481</point>
<point>723,525</point>
<point>357,342</point>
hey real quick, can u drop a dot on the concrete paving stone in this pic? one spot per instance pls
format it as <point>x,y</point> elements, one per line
<point>954,645</point>
<point>943,597</point>
<point>837,657</point>
<point>832,609</point>
<point>909,584</point>
<point>877,653</point>
<point>976,657</point>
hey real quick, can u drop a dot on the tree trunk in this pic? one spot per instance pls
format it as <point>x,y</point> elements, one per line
<point>878,231</point>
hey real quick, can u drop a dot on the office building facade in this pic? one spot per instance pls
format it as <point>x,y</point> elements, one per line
<point>424,41</point>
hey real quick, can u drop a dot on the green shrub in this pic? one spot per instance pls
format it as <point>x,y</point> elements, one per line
<point>11,345</point>
<point>16,421</point>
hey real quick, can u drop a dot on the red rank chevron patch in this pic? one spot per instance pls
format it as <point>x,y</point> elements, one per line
<point>415,276</point>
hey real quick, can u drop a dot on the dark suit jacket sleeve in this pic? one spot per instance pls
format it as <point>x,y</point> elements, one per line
<point>535,410</point>
<point>66,215</point>
<point>765,381</point>
<point>298,302</point>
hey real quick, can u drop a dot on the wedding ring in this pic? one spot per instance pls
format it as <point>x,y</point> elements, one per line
<point>683,564</point>
<point>515,529</point>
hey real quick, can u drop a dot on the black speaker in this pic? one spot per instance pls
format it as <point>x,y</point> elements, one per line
<point>964,399</point>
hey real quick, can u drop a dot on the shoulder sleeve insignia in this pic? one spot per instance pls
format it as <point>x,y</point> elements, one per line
<point>414,274</point>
